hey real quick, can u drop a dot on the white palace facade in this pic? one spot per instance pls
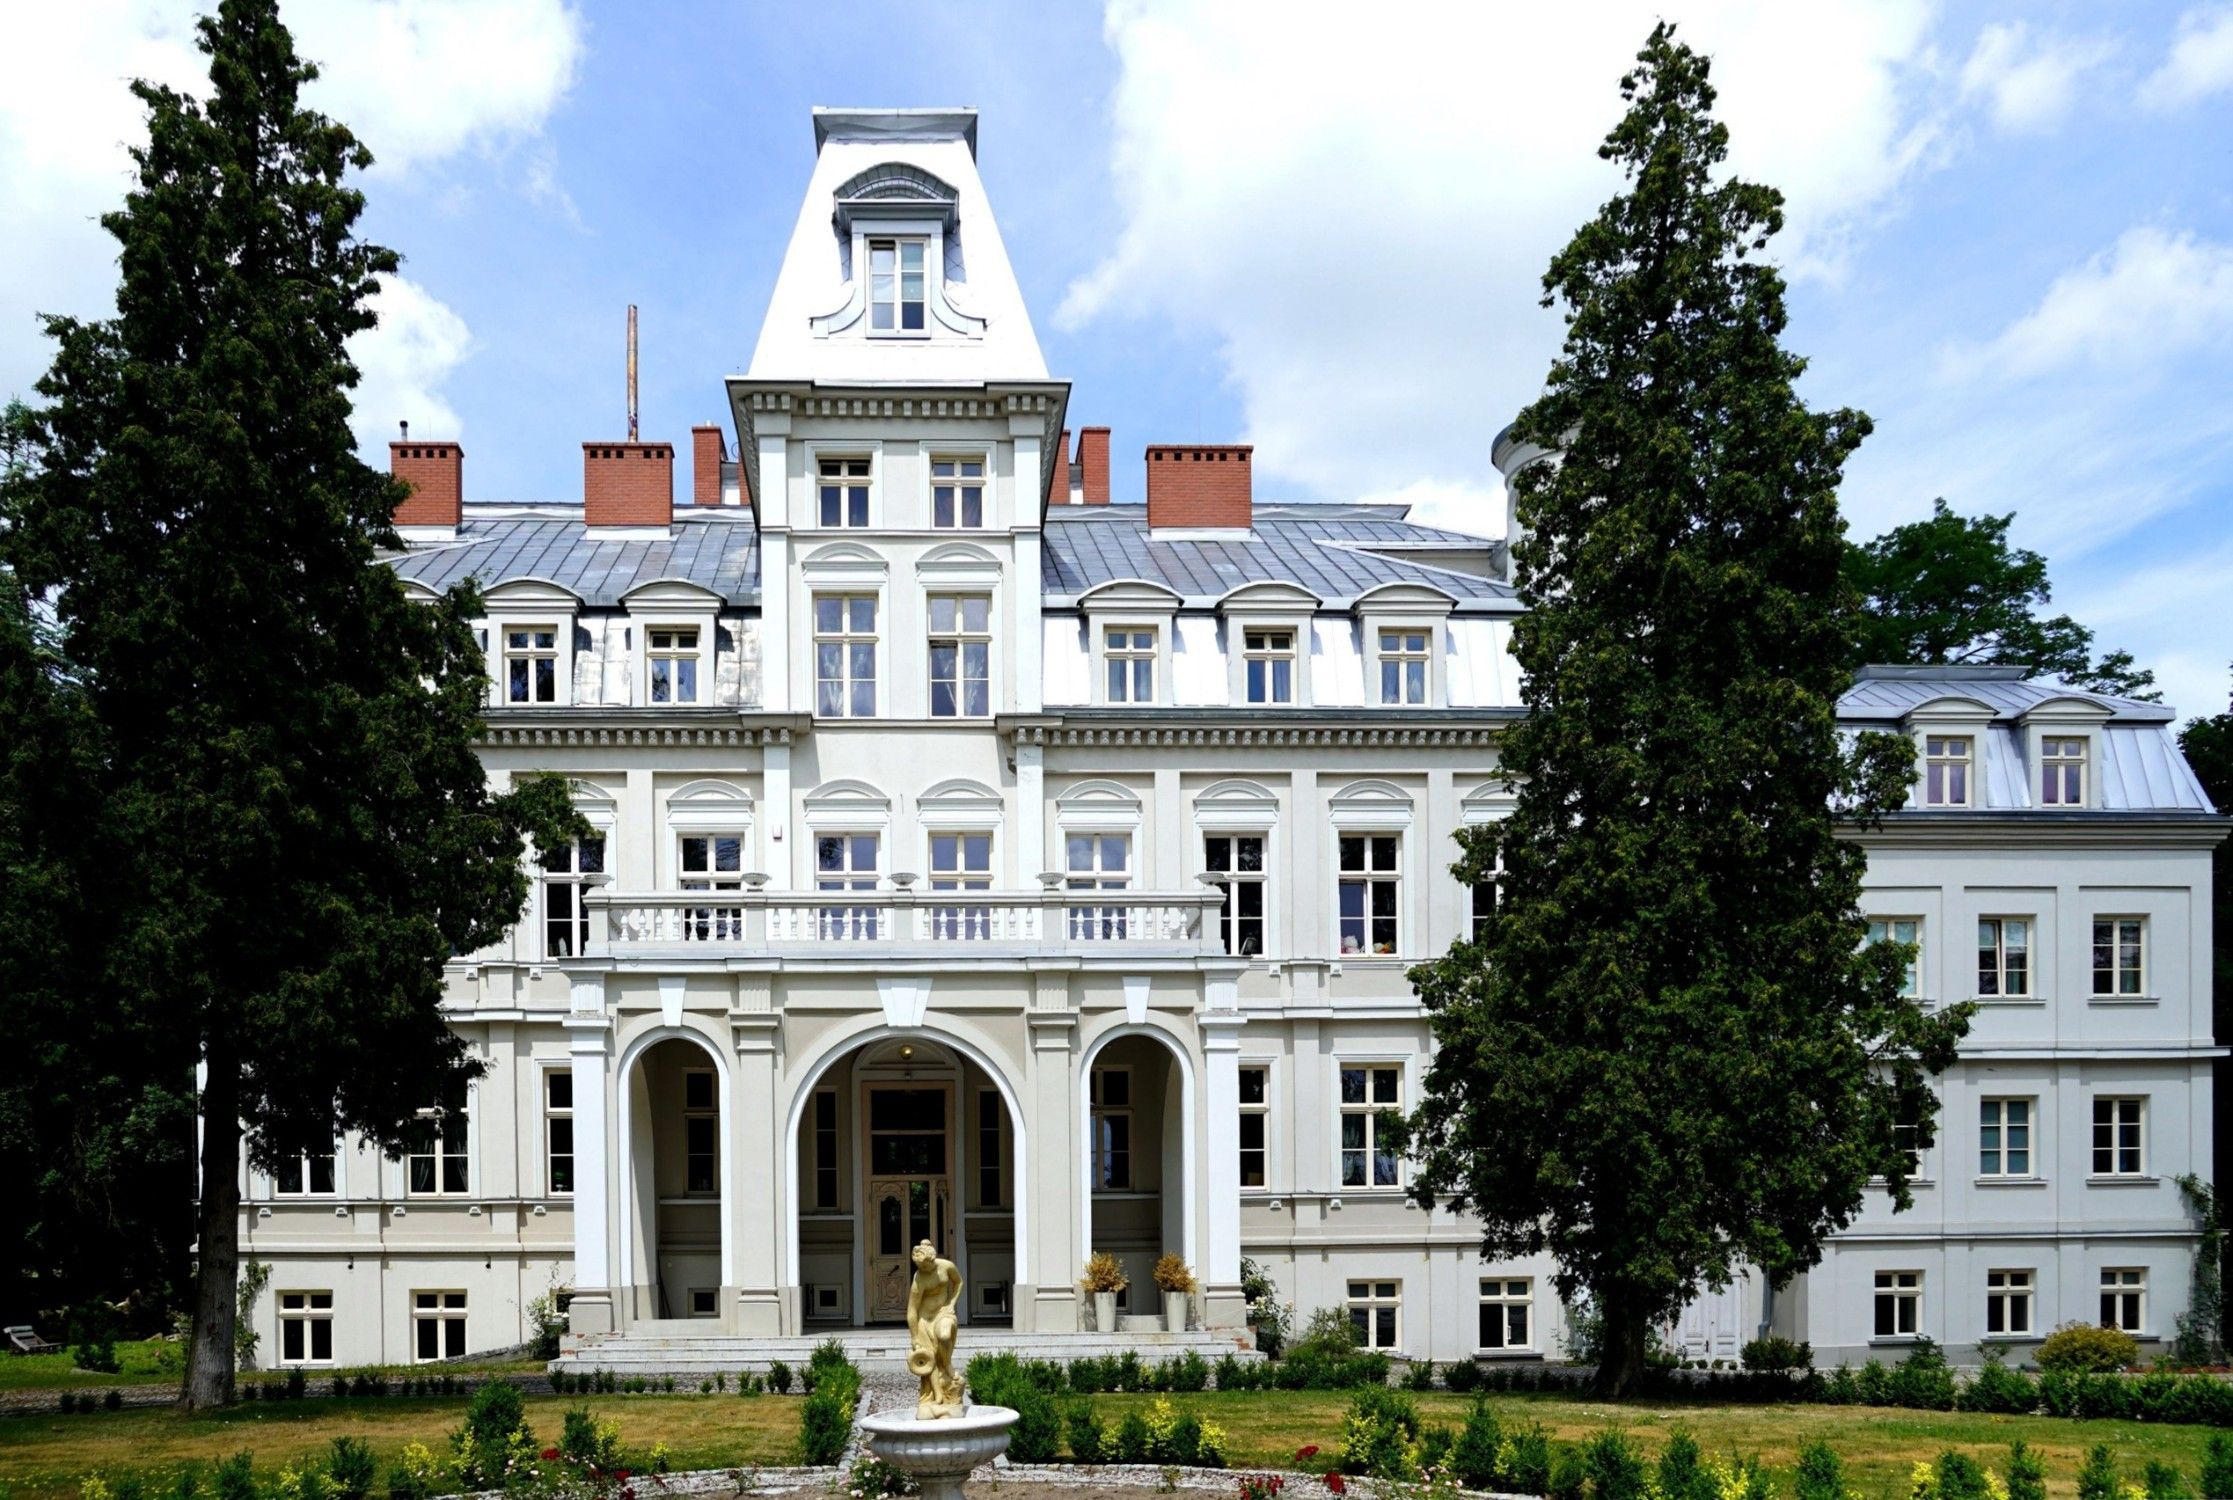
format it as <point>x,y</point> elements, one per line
<point>978,859</point>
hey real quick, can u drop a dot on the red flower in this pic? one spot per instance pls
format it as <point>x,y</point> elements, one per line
<point>1336,1483</point>
<point>621,1475</point>
<point>549,1454</point>
<point>1307,1450</point>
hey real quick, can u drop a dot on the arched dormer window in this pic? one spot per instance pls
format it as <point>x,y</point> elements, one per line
<point>1402,625</point>
<point>1130,624</point>
<point>671,622</point>
<point>899,245</point>
<point>531,643</point>
<point>1268,644</point>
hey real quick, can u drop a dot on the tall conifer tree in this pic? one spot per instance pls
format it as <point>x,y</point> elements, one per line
<point>297,832</point>
<point>1669,1054</point>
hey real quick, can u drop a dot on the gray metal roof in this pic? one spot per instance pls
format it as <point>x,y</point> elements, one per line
<point>1323,548</point>
<point>717,550</point>
<point>1891,693</point>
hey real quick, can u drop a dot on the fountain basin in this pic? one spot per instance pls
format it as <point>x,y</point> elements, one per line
<point>938,1453</point>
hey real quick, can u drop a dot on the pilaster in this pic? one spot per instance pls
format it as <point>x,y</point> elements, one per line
<point>1049,1303</point>
<point>756,1216</point>
<point>589,1037</point>
<point>1223,1305</point>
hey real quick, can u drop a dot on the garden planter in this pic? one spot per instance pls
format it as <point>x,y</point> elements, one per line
<point>1104,1312</point>
<point>1174,1311</point>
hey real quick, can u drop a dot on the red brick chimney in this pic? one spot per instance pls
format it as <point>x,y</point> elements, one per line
<point>1059,493</point>
<point>436,474</point>
<point>1093,458</point>
<point>1200,486</point>
<point>708,451</point>
<point>628,484</point>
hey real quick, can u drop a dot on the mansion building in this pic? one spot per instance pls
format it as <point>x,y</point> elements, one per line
<point>979,860</point>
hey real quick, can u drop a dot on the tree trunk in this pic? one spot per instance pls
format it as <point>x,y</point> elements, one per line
<point>1620,1362</point>
<point>209,1363</point>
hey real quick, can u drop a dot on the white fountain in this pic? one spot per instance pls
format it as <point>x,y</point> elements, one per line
<point>945,1439</point>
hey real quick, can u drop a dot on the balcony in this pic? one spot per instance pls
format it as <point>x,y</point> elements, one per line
<point>1052,922</point>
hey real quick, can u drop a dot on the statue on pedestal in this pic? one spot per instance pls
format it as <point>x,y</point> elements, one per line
<point>930,1332</point>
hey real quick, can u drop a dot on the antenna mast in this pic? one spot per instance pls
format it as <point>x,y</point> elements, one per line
<point>631,372</point>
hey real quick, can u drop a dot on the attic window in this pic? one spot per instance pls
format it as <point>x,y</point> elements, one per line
<point>895,286</point>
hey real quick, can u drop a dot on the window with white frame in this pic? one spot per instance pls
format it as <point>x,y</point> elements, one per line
<point>845,656</point>
<point>1255,1126</point>
<point>1371,892</point>
<point>2062,770</point>
<point>2004,956</point>
<point>1485,894</point>
<point>1111,1104</point>
<point>1907,931</point>
<point>1946,770</point>
<point>712,862</point>
<point>1376,1313</point>
<point>960,656</point>
<point>957,493</point>
<point>1097,862</point>
<point>437,1326</point>
<point>1128,652</point>
<point>847,862</point>
<point>304,1174</point>
<point>2004,1137</point>
<point>825,1148</point>
<point>991,1184</point>
<point>2118,1137</point>
<point>701,1132</point>
<point>842,486</point>
<point>1507,1312</point>
<point>672,663</point>
<point>2124,1299</point>
<point>2120,951</point>
<point>558,1131</point>
<point>1899,1304</point>
<point>568,872</point>
<point>1905,1135</point>
<point>306,1328</point>
<point>1268,665</point>
<point>435,1162</point>
<point>2008,1302</point>
<point>531,663</point>
<point>1369,1093</point>
<point>1403,667</point>
<point>896,286</point>
<point>1239,858</point>
<point>961,862</point>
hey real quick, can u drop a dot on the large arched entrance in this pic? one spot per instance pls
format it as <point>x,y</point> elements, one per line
<point>1138,1160</point>
<point>676,1177</point>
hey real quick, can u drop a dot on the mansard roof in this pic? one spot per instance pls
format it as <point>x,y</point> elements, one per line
<point>1892,693</point>
<point>714,549</point>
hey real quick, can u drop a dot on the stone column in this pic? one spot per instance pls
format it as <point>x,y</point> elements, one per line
<point>757,1217</point>
<point>589,1031</point>
<point>1221,1021</point>
<point>1046,1293</point>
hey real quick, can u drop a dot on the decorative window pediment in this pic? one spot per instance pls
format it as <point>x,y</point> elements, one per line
<point>1269,598</point>
<point>516,594</point>
<point>960,803</point>
<point>1406,599</point>
<point>1490,802</point>
<point>1371,804</point>
<point>848,804</point>
<point>844,563</point>
<point>1236,804</point>
<point>958,565</point>
<point>709,807</point>
<point>1098,804</point>
<point>1129,596</point>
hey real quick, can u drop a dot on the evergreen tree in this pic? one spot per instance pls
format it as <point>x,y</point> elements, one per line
<point>294,828</point>
<point>1669,1053</point>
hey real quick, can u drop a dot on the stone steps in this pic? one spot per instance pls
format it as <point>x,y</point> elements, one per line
<point>665,1349</point>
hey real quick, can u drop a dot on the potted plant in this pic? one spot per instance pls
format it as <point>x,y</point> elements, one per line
<point>1177,1282</point>
<point>1104,1278</point>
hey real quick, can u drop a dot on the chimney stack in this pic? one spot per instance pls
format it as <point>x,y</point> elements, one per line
<point>1093,460</point>
<point>1203,487</point>
<point>1059,492</point>
<point>436,474</point>
<point>709,450</point>
<point>628,485</point>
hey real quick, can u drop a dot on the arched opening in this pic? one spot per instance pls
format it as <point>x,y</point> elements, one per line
<point>1139,1157</point>
<point>899,1137</point>
<point>674,1148</point>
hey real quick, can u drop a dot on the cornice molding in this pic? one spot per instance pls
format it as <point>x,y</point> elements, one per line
<point>638,727</point>
<point>1241,734</point>
<point>2034,830</point>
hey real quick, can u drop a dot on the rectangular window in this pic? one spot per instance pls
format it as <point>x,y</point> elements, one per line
<point>2124,1299</point>
<point>1899,1299</point>
<point>1403,667</point>
<point>568,871</point>
<point>1376,1312</point>
<point>845,656</point>
<point>2062,771</point>
<point>1112,1129</point>
<point>847,862</point>
<point>895,286</point>
<point>2008,1302</point>
<point>1371,892</point>
<point>2004,1138</point>
<point>2117,1142</point>
<point>558,1130</point>
<point>712,862</point>
<point>674,665</point>
<point>308,1174</point>
<point>825,1148</point>
<point>1369,1092</point>
<point>701,1130</point>
<point>2004,956</point>
<point>1097,862</point>
<point>1240,859</point>
<point>306,1328</point>
<point>437,1326</point>
<point>957,492</point>
<point>1507,1313</point>
<point>2120,956</point>
<point>1904,1135</point>
<point>961,862</point>
<point>1946,763</point>
<point>842,490</point>
<point>1130,654</point>
<point>531,664</point>
<point>705,1301</point>
<point>990,1188</point>
<point>1909,932</point>
<point>1268,658</point>
<point>960,656</point>
<point>1255,1125</point>
<point>1486,892</point>
<point>435,1163</point>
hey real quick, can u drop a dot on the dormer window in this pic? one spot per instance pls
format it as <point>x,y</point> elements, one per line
<point>674,666</point>
<point>2062,771</point>
<point>895,286</point>
<point>531,664</point>
<point>1946,769</point>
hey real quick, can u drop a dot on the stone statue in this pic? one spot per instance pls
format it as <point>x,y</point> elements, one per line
<point>930,1333</point>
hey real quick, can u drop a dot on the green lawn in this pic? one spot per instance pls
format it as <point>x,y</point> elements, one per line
<point>1880,1445</point>
<point>44,1457</point>
<point>157,1361</point>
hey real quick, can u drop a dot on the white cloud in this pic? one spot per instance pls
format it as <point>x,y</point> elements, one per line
<point>2027,83</point>
<point>404,361</point>
<point>2151,297</point>
<point>2170,616</point>
<point>2200,64</point>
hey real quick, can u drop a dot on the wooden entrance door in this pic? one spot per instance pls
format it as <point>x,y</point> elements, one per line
<point>909,1187</point>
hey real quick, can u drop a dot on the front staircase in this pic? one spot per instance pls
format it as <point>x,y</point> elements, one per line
<point>685,1347</point>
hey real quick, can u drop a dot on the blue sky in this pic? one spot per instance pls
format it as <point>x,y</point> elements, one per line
<point>2011,242</point>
